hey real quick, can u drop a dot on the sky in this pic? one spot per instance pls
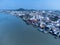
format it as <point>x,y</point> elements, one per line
<point>30,4</point>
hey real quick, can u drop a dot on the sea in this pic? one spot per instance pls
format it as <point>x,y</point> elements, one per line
<point>14,31</point>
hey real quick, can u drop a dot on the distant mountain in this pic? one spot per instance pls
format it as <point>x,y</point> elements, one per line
<point>31,10</point>
<point>21,9</point>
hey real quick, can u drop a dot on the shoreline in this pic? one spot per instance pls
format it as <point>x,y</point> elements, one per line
<point>38,20</point>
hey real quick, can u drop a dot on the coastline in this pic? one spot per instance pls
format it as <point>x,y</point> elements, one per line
<point>38,20</point>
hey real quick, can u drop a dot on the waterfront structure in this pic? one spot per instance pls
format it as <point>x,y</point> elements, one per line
<point>46,21</point>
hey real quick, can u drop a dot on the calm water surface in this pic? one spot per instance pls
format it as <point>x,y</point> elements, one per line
<point>14,31</point>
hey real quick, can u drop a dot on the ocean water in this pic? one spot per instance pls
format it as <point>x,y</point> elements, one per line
<point>14,31</point>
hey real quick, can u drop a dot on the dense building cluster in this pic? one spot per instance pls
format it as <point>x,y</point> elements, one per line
<point>45,20</point>
<point>47,23</point>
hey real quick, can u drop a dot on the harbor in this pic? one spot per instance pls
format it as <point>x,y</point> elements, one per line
<point>29,22</point>
<point>15,31</point>
<point>45,21</point>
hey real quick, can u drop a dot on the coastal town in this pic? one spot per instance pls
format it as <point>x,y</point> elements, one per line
<point>46,21</point>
